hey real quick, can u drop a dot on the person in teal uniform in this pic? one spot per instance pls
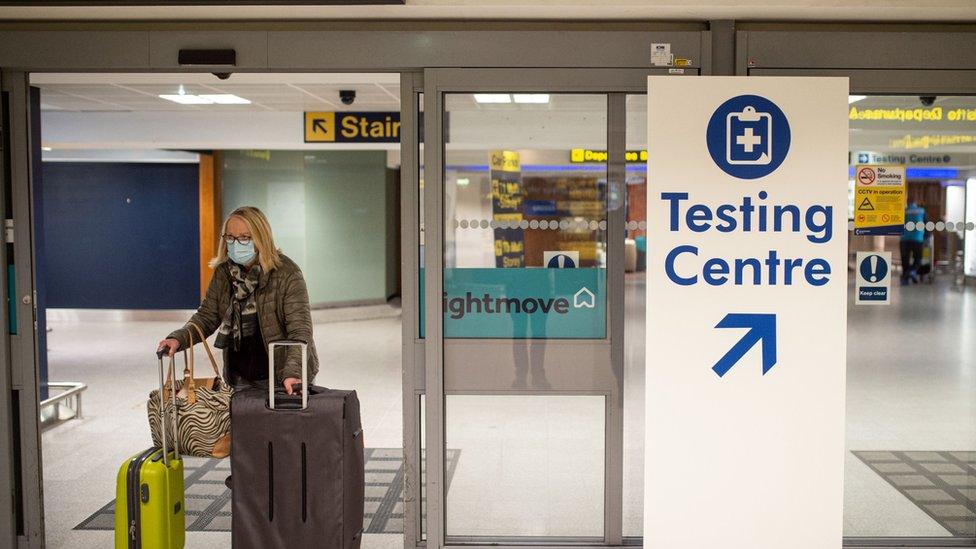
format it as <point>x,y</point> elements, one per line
<point>911,243</point>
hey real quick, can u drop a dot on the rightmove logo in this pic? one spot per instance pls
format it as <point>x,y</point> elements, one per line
<point>458,307</point>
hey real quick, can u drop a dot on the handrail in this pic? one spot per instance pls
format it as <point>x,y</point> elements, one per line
<point>72,386</point>
<point>48,417</point>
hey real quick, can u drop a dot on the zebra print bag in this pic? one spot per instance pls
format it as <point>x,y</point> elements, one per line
<point>203,406</point>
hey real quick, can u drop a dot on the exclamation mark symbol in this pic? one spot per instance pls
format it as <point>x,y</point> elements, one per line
<point>874,268</point>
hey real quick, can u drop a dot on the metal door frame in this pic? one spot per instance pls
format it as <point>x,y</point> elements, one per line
<point>616,83</point>
<point>412,347</point>
<point>25,447</point>
<point>8,475</point>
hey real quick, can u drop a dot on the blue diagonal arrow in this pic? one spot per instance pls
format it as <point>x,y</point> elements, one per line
<point>762,327</point>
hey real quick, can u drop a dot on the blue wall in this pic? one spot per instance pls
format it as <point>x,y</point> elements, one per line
<point>120,235</point>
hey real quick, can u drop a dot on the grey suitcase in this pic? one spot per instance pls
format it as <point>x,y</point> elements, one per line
<point>297,465</point>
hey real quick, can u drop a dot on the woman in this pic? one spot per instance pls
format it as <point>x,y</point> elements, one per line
<point>256,296</point>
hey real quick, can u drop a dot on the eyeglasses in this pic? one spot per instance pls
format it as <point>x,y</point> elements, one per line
<point>243,239</point>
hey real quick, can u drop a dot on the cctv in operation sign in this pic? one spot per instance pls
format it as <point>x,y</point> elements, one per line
<point>746,312</point>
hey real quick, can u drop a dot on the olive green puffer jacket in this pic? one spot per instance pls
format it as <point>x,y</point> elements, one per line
<point>283,313</point>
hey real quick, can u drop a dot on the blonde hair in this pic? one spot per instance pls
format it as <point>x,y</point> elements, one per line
<point>269,256</point>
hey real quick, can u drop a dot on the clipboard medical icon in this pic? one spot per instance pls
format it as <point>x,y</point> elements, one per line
<point>749,137</point>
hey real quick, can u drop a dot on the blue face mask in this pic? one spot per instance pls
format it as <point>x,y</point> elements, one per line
<point>242,254</point>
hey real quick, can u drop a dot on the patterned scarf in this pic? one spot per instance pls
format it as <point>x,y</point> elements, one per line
<point>241,318</point>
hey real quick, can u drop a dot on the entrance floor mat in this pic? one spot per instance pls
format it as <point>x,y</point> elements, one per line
<point>208,505</point>
<point>940,483</point>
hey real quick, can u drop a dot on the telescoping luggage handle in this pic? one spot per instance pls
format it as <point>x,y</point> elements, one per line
<point>162,409</point>
<point>271,374</point>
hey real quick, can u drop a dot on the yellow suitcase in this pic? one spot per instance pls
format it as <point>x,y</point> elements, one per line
<point>149,505</point>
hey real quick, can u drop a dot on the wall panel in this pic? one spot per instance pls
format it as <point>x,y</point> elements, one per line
<point>121,236</point>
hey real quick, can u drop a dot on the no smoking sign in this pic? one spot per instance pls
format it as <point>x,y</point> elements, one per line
<point>866,176</point>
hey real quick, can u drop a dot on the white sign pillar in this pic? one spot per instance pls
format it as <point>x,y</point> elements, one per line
<point>746,312</point>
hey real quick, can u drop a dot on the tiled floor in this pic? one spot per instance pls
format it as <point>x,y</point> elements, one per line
<point>911,374</point>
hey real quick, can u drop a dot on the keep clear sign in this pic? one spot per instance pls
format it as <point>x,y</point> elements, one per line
<point>872,278</point>
<point>746,312</point>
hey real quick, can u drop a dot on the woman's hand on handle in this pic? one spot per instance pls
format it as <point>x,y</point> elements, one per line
<point>289,383</point>
<point>169,345</point>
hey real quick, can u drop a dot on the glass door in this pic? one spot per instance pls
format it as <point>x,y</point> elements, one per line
<point>910,475</point>
<point>525,227</point>
<point>525,324</point>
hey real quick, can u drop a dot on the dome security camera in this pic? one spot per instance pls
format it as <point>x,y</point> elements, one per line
<point>222,75</point>
<point>927,100</point>
<point>348,97</point>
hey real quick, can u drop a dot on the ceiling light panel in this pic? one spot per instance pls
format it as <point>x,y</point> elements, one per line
<point>486,98</point>
<point>535,98</point>
<point>186,99</point>
<point>226,99</point>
